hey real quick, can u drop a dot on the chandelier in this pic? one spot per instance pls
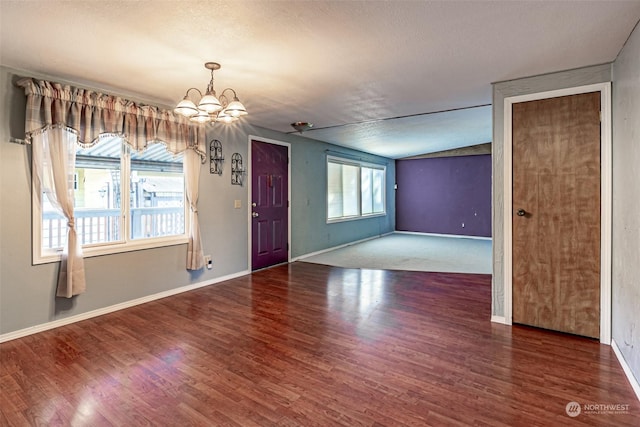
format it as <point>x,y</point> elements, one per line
<point>210,108</point>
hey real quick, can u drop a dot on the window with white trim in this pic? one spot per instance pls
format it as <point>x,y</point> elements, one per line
<point>354,189</point>
<point>124,200</point>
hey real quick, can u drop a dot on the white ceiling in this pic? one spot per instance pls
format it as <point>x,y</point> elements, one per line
<point>332,63</point>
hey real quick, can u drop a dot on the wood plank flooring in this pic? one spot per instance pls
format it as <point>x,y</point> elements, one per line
<point>311,345</point>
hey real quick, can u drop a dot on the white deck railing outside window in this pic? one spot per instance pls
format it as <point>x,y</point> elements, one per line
<point>104,225</point>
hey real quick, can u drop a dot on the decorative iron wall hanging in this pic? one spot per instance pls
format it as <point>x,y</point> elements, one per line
<point>237,169</point>
<point>216,159</point>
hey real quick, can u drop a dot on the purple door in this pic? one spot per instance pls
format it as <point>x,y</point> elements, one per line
<point>269,194</point>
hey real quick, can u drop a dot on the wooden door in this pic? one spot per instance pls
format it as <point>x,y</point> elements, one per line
<point>269,194</point>
<point>556,214</point>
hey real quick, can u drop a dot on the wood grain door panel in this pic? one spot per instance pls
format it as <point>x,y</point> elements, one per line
<point>556,244</point>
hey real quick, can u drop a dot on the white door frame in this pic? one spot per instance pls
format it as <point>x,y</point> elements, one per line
<point>605,199</point>
<point>250,189</point>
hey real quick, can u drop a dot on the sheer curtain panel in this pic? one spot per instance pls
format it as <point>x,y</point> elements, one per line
<point>195,256</point>
<point>54,158</point>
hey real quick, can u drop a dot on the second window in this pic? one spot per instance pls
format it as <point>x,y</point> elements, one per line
<point>354,189</point>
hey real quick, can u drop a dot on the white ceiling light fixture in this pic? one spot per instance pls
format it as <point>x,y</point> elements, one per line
<point>210,108</point>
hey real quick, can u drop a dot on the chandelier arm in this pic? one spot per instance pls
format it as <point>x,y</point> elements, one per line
<point>193,88</point>
<point>234,92</point>
<point>224,101</point>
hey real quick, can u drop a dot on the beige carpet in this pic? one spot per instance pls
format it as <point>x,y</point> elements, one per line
<point>399,251</point>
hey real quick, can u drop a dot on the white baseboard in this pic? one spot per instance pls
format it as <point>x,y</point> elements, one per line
<point>627,370</point>
<point>99,312</point>
<point>455,236</point>
<point>499,319</point>
<point>301,257</point>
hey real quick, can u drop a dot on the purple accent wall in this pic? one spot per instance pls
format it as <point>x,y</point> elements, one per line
<point>438,195</point>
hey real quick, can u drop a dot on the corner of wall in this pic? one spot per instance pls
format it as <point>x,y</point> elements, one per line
<point>626,204</point>
<point>527,85</point>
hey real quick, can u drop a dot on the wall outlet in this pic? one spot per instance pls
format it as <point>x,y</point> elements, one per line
<point>463,225</point>
<point>237,204</point>
<point>208,262</point>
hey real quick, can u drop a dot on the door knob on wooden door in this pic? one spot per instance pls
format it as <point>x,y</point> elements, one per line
<point>255,214</point>
<point>521,212</point>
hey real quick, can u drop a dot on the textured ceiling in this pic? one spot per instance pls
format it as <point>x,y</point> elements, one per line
<point>331,63</point>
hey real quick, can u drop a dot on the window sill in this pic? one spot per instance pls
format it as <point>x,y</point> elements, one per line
<point>114,248</point>
<point>355,218</point>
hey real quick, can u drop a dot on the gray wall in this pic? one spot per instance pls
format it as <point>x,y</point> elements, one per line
<point>310,232</point>
<point>27,291</point>
<point>626,203</point>
<point>502,90</point>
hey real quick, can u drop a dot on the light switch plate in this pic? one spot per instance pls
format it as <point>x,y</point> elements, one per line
<point>237,204</point>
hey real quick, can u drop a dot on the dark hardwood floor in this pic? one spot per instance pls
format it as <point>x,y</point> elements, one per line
<point>311,345</point>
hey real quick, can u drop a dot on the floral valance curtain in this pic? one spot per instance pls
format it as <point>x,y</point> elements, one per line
<point>90,114</point>
<point>60,116</point>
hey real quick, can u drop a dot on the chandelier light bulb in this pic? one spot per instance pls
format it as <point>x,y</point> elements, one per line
<point>201,117</point>
<point>235,108</point>
<point>186,107</point>
<point>210,103</point>
<point>225,118</point>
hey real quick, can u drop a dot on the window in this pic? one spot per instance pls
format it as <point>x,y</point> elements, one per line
<point>354,189</point>
<point>124,200</point>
